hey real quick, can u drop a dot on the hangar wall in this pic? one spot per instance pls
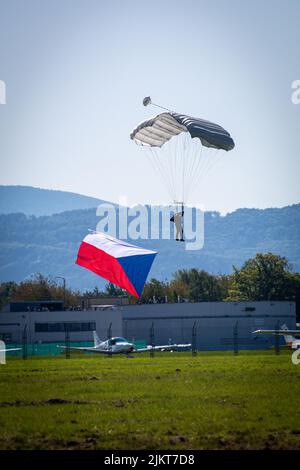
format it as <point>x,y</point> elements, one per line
<point>214,322</point>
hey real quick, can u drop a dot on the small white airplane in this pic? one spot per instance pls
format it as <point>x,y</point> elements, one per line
<point>118,345</point>
<point>289,335</point>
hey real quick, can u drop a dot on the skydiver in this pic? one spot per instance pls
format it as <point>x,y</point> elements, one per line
<point>178,221</point>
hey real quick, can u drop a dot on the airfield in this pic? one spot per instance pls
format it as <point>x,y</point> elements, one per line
<point>215,400</point>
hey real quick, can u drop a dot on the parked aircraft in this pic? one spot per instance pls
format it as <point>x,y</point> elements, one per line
<point>119,345</point>
<point>289,335</point>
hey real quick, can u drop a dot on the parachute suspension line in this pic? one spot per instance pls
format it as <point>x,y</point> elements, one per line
<point>178,195</point>
<point>166,162</point>
<point>192,158</point>
<point>202,168</point>
<point>161,107</point>
<point>185,164</point>
<point>170,155</point>
<point>148,155</point>
<point>215,157</point>
<point>207,159</point>
<point>173,156</point>
<point>151,157</point>
<point>173,161</point>
<point>212,156</point>
<point>189,157</point>
<point>159,160</point>
<point>181,157</point>
<point>182,172</point>
<point>197,166</point>
<point>161,170</point>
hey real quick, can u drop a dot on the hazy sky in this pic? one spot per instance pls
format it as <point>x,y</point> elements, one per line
<point>76,73</point>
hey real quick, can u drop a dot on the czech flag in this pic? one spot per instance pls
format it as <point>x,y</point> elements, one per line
<point>123,264</point>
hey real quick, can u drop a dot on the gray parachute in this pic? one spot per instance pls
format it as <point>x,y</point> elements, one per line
<point>181,148</point>
<point>161,128</point>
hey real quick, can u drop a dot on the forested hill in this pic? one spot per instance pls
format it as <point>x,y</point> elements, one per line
<point>48,244</point>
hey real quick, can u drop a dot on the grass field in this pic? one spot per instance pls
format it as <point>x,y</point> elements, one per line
<point>171,401</point>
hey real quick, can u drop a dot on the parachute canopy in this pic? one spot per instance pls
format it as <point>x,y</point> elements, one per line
<point>123,264</point>
<point>155,132</point>
<point>182,149</point>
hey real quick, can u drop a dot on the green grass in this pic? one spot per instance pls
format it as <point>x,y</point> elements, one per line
<point>171,401</point>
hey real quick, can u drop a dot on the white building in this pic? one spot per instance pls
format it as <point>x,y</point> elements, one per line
<point>214,322</point>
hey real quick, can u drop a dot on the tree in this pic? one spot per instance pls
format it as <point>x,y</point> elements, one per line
<point>94,293</point>
<point>155,288</point>
<point>264,277</point>
<point>41,287</point>
<point>199,285</point>
<point>112,290</point>
<point>294,291</point>
<point>7,290</point>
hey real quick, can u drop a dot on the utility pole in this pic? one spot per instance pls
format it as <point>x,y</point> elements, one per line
<point>277,347</point>
<point>67,341</point>
<point>109,334</point>
<point>152,340</point>
<point>64,287</point>
<point>194,340</point>
<point>235,339</point>
<point>24,342</point>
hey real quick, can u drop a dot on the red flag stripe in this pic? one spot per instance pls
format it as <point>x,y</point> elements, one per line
<point>104,265</point>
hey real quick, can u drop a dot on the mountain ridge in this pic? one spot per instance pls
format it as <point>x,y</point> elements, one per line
<point>49,244</point>
<point>30,200</point>
<point>22,199</point>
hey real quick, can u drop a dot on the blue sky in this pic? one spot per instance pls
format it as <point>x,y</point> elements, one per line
<point>76,73</point>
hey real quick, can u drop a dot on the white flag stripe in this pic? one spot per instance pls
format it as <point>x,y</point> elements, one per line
<point>114,247</point>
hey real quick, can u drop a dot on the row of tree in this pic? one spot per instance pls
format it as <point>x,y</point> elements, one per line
<point>264,277</point>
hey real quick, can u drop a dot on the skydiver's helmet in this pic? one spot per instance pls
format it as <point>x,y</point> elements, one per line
<point>146,101</point>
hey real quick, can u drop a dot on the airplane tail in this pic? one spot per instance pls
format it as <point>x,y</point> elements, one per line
<point>97,340</point>
<point>289,339</point>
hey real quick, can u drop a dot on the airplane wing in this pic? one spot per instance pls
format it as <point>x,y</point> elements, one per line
<point>277,332</point>
<point>93,350</point>
<point>10,349</point>
<point>166,347</point>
